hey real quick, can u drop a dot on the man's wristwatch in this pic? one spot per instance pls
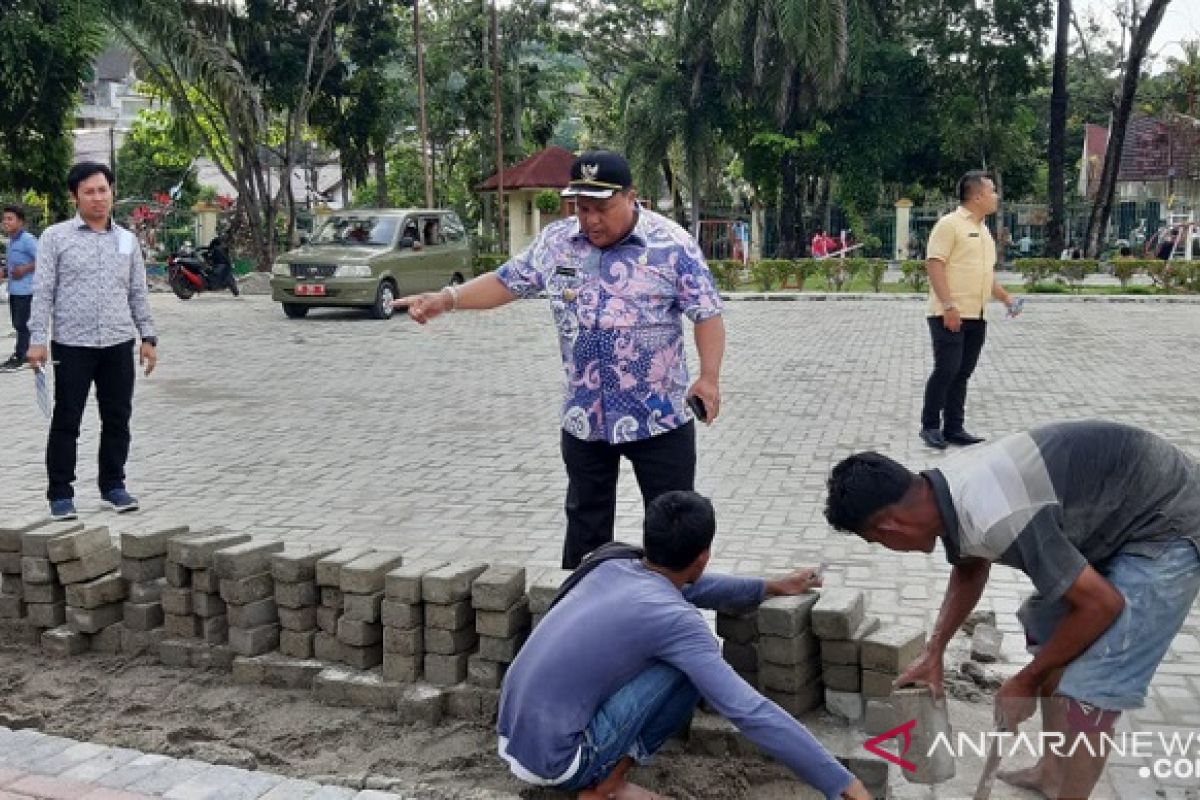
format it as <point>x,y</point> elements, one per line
<point>949,306</point>
<point>150,340</point>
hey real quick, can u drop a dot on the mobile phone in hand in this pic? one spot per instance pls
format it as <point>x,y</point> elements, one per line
<point>697,407</point>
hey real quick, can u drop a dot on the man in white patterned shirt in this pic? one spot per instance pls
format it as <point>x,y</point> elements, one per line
<point>90,287</point>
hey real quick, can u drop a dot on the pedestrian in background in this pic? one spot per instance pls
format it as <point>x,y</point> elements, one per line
<point>89,305</point>
<point>22,255</point>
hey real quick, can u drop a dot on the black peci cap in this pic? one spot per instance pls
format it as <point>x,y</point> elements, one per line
<point>598,173</point>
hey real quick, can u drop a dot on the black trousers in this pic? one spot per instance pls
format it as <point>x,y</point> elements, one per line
<point>19,306</point>
<point>955,355</point>
<point>111,369</point>
<point>661,463</point>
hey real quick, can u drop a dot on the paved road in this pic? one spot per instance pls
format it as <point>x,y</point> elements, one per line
<point>443,440</point>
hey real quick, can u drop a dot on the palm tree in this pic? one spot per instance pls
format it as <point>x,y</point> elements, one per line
<point>1056,156</point>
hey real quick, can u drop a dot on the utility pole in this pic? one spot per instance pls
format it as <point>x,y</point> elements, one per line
<point>497,114</point>
<point>421,103</point>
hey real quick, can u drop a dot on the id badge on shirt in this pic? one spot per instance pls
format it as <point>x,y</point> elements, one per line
<point>565,283</point>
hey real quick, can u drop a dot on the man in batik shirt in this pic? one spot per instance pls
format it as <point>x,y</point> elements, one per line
<point>619,279</point>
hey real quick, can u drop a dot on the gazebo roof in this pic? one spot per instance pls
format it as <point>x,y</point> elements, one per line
<point>547,169</point>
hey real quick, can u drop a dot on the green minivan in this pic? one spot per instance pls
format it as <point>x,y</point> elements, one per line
<point>369,257</point>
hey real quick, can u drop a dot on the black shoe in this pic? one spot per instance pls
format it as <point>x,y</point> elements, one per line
<point>933,438</point>
<point>12,365</point>
<point>962,438</point>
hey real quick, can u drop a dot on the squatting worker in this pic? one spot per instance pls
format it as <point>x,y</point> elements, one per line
<point>90,303</point>
<point>619,278</point>
<point>619,662</point>
<point>1105,520</point>
<point>961,262</point>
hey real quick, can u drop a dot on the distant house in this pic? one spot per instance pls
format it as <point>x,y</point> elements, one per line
<point>1160,161</point>
<point>549,169</point>
<point>109,104</point>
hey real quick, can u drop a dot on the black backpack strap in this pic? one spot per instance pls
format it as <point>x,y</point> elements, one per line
<point>605,552</point>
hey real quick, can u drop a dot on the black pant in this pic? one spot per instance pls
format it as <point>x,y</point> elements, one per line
<point>112,370</point>
<point>19,306</point>
<point>954,357</point>
<point>661,463</point>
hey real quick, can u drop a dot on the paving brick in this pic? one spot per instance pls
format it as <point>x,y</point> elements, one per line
<point>45,615</point>
<point>140,570</point>
<point>498,588</point>
<point>214,629</point>
<point>298,563</point>
<point>398,614</point>
<point>934,764</point>
<point>35,569</point>
<point>406,642</point>
<point>788,649</point>
<point>135,642</point>
<point>876,684</point>
<point>326,647</point>
<point>11,584</point>
<point>449,642</point>
<point>403,583</point>
<point>502,624</point>
<point>73,546</point>
<point>177,601</point>
<point>296,595</point>
<point>364,657</point>
<point>150,544</point>
<point>739,628</point>
<point>107,640</point>
<point>362,607</point>
<point>402,668</point>
<point>838,613</point>
<point>842,677</point>
<point>254,641</point>
<point>341,687</point>
<point>44,593</point>
<point>91,565</point>
<point>10,563</point>
<point>206,605</point>
<point>789,678</point>
<point>297,644</point>
<point>251,615</point>
<point>421,703</point>
<point>472,703</point>
<point>542,586</point>
<point>451,583</point>
<point>848,651</point>
<point>245,559</point>
<point>446,670</point>
<point>785,616</point>
<point>367,574</point>
<point>195,552</point>
<point>328,570</point>
<point>358,633</point>
<point>484,673</point>
<point>178,576</point>
<point>92,620</point>
<point>11,531</point>
<point>879,717</point>
<point>891,648</point>
<point>327,619</point>
<point>182,626</point>
<point>213,656</point>
<point>298,619</point>
<point>35,540</point>
<point>205,580</point>
<point>62,642</point>
<point>146,591</point>
<point>46,787</point>
<point>98,592</point>
<point>494,649</point>
<point>143,616</point>
<point>11,606</point>
<point>239,591</point>
<point>847,705</point>
<point>332,597</point>
<point>449,616</point>
<point>985,644</point>
<point>742,657</point>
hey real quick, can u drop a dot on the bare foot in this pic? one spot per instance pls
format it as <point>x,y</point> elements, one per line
<point>1028,778</point>
<point>623,791</point>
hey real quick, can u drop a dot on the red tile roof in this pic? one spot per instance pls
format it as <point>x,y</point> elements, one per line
<point>1161,147</point>
<point>548,169</point>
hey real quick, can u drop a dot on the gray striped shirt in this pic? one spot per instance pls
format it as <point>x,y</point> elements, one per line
<point>91,284</point>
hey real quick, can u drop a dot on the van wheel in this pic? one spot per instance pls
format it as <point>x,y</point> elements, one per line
<point>456,279</point>
<point>383,300</point>
<point>295,311</point>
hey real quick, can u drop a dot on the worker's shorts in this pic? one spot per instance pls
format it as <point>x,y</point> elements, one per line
<point>1115,671</point>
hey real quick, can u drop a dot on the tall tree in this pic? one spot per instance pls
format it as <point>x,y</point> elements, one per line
<point>1057,152</point>
<point>1142,28</point>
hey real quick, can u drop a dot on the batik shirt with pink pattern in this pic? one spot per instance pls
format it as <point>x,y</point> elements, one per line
<point>618,313</point>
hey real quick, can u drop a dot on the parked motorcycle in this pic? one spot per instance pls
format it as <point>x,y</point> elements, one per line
<point>203,269</point>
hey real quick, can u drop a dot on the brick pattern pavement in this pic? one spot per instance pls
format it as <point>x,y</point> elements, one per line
<point>442,441</point>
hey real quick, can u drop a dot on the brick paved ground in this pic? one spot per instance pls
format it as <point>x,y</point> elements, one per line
<point>444,440</point>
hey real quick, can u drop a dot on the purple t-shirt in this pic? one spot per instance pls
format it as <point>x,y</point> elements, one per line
<point>617,622</point>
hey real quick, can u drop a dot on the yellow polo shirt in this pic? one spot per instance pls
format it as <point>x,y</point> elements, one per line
<point>968,250</point>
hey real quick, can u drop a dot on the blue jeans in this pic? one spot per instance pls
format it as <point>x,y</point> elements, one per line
<point>636,721</point>
<point>1115,671</point>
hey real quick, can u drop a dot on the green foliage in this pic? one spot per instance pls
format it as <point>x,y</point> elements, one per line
<point>1073,271</point>
<point>766,274</point>
<point>1125,268</point>
<point>1172,276</point>
<point>488,262</point>
<point>151,161</point>
<point>548,201</point>
<point>838,272</point>
<point>802,269</point>
<point>873,269</point>
<point>915,274</point>
<point>727,274</point>
<point>1036,270</point>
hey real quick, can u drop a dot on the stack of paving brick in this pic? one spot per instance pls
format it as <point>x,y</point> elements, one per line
<point>789,667</point>
<point>403,617</point>
<point>12,592</point>
<point>326,646</point>
<point>837,619</point>
<point>87,563</point>
<point>449,634</point>
<point>296,598</point>
<point>542,587</point>
<point>192,605</point>
<point>247,588</point>
<point>502,620</point>
<point>739,643</point>
<point>143,567</point>
<point>41,590</point>
<point>886,652</point>
<point>360,629</point>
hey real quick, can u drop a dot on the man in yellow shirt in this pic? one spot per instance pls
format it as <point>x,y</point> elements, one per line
<point>961,262</point>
